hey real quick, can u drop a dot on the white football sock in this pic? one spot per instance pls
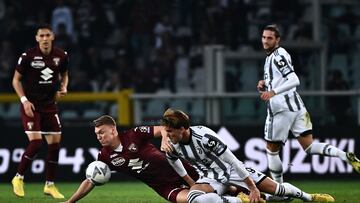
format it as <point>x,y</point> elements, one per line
<point>327,150</point>
<point>198,196</point>
<point>286,189</point>
<point>275,165</point>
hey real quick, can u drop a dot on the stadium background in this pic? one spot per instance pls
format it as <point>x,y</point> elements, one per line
<point>133,59</point>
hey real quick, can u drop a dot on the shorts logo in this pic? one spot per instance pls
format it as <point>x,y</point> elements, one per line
<point>30,125</point>
<point>133,147</point>
<point>118,161</point>
<point>56,61</point>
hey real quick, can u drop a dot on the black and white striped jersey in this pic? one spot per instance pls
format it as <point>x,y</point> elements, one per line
<point>280,77</point>
<point>209,155</point>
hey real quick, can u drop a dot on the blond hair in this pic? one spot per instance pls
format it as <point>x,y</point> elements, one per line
<point>175,119</point>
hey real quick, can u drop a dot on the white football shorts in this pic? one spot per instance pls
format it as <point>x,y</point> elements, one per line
<point>277,127</point>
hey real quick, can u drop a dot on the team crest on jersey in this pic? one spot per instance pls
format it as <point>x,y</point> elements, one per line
<point>118,161</point>
<point>30,125</point>
<point>38,64</point>
<point>56,61</point>
<point>133,147</point>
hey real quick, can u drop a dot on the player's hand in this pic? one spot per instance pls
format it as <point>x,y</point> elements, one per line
<point>265,96</point>
<point>166,145</point>
<point>254,196</point>
<point>29,108</point>
<point>261,86</point>
<point>62,92</point>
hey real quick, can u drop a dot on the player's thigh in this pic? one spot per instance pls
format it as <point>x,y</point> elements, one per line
<point>302,124</point>
<point>277,126</point>
<point>181,196</point>
<point>51,127</point>
<point>31,125</point>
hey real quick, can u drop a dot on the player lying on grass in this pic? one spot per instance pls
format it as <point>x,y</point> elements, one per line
<point>217,165</point>
<point>132,153</point>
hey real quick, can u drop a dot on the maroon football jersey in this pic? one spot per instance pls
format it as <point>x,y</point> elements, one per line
<point>141,159</point>
<point>40,76</point>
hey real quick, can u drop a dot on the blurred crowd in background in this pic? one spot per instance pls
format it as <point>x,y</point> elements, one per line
<point>147,45</point>
<point>140,44</point>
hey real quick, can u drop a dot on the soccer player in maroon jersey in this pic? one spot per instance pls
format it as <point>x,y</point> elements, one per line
<point>40,78</point>
<point>132,153</point>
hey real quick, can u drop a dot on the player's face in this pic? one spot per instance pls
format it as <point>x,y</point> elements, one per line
<point>45,37</point>
<point>175,135</point>
<point>106,134</point>
<point>269,40</point>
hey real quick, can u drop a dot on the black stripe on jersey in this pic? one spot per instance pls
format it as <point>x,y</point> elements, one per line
<point>220,164</point>
<point>287,99</point>
<point>298,96</point>
<point>271,74</point>
<point>196,156</point>
<point>196,135</point>
<point>270,125</point>
<point>297,101</point>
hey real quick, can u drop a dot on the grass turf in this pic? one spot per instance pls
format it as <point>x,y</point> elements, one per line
<point>343,191</point>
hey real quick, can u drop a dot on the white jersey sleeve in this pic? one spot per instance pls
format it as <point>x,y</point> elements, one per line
<point>235,163</point>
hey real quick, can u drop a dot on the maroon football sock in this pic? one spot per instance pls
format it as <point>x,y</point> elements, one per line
<point>52,161</point>
<point>29,155</point>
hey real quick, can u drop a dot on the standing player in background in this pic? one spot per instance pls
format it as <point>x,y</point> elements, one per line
<point>40,78</point>
<point>217,165</point>
<point>132,153</point>
<point>285,109</point>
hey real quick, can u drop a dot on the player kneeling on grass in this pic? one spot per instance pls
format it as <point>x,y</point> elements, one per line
<point>132,153</point>
<point>217,165</point>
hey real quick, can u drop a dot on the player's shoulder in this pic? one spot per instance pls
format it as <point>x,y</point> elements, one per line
<point>60,52</point>
<point>281,51</point>
<point>30,52</point>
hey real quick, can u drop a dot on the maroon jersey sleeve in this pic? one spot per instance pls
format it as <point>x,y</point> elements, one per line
<point>63,66</point>
<point>144,133</point>
<point>23,62</point>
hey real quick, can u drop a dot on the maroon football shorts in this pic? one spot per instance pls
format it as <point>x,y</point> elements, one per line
<point>44,123</point>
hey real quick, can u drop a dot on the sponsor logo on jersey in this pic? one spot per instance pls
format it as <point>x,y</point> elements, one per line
<point>113,155</point>
<point>133,147</point>
<point>37,57</point>
<point>143,129</point>
<point>118,161</point>
<point>38,64</point>
<point>46,75</point>
<point>56,61</point>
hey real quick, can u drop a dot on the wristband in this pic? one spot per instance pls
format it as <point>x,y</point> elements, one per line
<point>23,99</point>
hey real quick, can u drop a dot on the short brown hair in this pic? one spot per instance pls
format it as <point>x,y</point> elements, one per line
<point>175,119</point>
<point>104,120</point>
<point>274,28</point>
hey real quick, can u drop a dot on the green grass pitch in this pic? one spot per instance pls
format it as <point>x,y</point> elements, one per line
<point>122,192</point>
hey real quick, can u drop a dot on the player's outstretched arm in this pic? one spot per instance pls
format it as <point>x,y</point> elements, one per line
<point>85,187</point>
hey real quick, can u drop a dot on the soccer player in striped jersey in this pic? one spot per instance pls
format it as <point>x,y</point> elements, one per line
<point>285,109</point>
<point>217,165</point>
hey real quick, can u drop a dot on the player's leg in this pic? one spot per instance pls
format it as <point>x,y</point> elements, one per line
<point>32,129</point>
<point>212,191</point>
<point>276,133</point>
<point>302,129</point>
<point>288,190</point>
<point>52,130</point>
